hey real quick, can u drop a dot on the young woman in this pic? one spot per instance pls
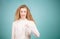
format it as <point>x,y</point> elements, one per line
<point>24,24</point>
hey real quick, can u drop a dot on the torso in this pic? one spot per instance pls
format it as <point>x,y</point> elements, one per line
<point>22,29</point>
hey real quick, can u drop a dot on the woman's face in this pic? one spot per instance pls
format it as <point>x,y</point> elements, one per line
<point>23,12</point>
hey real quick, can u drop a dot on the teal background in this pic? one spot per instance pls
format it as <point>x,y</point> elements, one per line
<point>45,12</point>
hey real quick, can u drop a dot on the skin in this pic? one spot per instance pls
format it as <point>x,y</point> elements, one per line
<point>23,12</point>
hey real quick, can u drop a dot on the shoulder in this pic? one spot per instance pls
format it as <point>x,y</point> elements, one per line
<point>15,22</point>
<point>31,22</point>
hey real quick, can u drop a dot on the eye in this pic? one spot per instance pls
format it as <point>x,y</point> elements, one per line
<point>21,11</point>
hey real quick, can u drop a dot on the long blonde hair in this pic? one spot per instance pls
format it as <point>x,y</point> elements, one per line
<point>28,15</point>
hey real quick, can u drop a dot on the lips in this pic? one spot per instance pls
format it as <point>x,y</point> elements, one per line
<point>23,15</point>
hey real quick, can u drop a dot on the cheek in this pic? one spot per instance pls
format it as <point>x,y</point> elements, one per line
<point>25,12</point>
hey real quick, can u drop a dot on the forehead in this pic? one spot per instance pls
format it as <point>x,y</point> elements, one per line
<point>23,9</point>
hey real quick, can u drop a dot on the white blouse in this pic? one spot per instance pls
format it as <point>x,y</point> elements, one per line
<point>22,29</point>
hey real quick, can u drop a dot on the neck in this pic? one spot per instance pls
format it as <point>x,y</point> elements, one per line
<point>23,18</point>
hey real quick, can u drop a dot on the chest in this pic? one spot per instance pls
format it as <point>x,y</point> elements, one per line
<point>23,27</point>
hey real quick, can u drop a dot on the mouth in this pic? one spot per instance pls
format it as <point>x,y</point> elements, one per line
<point>23,15</point>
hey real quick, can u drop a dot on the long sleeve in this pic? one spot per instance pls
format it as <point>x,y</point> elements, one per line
<point>34,30</point>
<point>12,31</point>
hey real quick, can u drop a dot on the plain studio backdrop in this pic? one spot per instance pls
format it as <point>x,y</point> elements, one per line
<point>45,12</point>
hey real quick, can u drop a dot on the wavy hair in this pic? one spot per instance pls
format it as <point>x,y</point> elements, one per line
<point>28,15</point>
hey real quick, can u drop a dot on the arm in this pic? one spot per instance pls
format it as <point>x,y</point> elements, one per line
<point>12,31</point>
<point>34,30</point>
